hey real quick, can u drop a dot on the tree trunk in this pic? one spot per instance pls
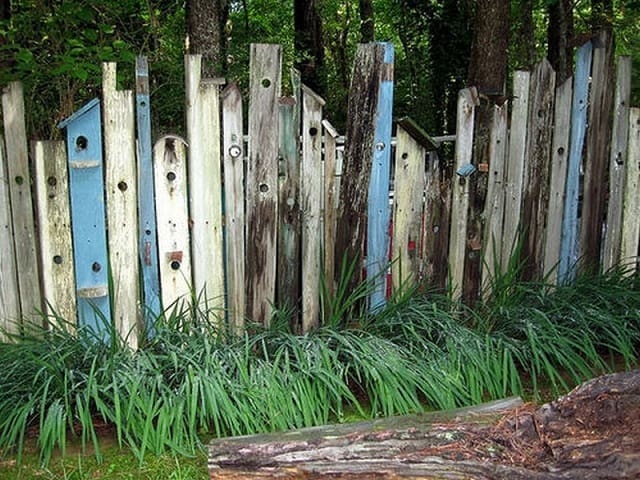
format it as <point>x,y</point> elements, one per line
<point>309,45</point>
<point>205,27</point>
<point>559,33</point>
<point>525,43</point>
<point>367,24</point>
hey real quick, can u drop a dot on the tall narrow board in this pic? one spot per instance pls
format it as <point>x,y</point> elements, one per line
<point>558,179</point>
<point>378,210</point>
<point>331,190</point>
<point>364,91</point>
<point>579,105</point>
<point>9,293</point>
<point>262,180</point>
<point>311,199</point>
<point>205,186</point>
<point>409,187</point>
<point>147,235</point>
<point>515,166</point>
<point>597,151</point>
<point>630,224</point>
<point>122,197</point>
<point>494,205</point>
<point>24,230</point>
<point>54,218</point>
<point>536,177</point>
<point>233,153</point>
<point>617,163</point>
<point>467,102</point>
<point>170,178</point>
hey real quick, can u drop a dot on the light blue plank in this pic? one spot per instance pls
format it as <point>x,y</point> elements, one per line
<point>86,185</point>
<point>147,234</point>
<point>378,210</point>
<point>569,236</point>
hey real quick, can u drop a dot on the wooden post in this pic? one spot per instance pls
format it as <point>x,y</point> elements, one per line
<point>558,179</point>
<point>170,176</point>
<point>54,218</point>
<point>9,293</point>
<point>568,242</point>
<point>233,157</point>
<point>331,191</point>
<point>205,186</point>
<point>147,235</point>
<point>24,230</point>
<point>536,178</point>
<point>631,214</point>
<point>617,163</point>
<point>597,151</point>
<point>262,180</point>
<point>122,198</point>
<point>515,166</point>
<point>467,102</point>
<point>311,195</point>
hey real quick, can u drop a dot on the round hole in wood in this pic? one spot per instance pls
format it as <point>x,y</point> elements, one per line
<point>57,259</point>
<point>264,188</point>
<point>266,83</point>
<point>175,265</point>
<point>171,176</point>
<point>81,143</point>
<point>52,181</point>
<point>96,267</point>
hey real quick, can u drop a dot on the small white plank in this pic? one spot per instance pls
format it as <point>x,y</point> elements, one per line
<point>54,217</point>
<point>122,204</point>
<point>9,295</point>
<point>331,198</point>
<point>631,213</point>
<point>172,219</point>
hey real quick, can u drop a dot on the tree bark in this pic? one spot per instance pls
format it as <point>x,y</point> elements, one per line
<point>205,27</point>
<point>559,34</point>
<point>309,45</point>
<point>367,22</point>
<point>525,45</point>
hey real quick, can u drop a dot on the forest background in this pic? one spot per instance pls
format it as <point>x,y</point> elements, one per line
<point>56,47</point>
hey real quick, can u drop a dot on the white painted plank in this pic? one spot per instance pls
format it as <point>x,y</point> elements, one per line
<point>631,213</point>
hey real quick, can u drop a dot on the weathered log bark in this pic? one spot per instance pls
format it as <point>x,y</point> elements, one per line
<point>591,433</point>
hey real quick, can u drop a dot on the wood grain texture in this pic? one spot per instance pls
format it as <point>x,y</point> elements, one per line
<point>331,197</point>
<point>630,225</point>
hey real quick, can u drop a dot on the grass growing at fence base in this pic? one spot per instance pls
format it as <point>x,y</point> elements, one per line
<point>190,381</point>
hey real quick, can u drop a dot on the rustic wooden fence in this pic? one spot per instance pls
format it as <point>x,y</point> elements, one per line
<point>126,228</point>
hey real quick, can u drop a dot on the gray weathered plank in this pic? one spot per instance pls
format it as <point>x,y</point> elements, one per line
<point>631,215</point>
<point>331,197</point>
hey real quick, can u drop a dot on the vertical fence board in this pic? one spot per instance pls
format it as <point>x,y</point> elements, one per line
<point>617,163</point>
<point>630,224</point>
<point>24,231</point>
<point>515,165</point>
<point>56,252</point>
<point>170,178</point>
<point>409,187</point>
<point>148,240</point>
<point>205,186</point>
<point>494,206</point>
<point>568,242</point>
<point>379,211</point>
<point>597,151</point>
<point>122,197</point>
<point>262,180</point>
<point>311,195</point>
<point>331,189</point>
<point>86,183</point>
<point>467,102</point>
<point>536,180</point>
<point>558,178</point>
<point>233,158</point>
<point>9,293</point>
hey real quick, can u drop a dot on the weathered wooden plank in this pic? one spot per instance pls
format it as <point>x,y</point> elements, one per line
<point>262,180</point>
<point>378,209</point>
<point>515,166</point>
<point>9,293</point>
<point>24,231</point>
<point>170,177</point>
<point>311,199</point>
<point>467,102</point>
<point>568,242</point>
<point>558,179</point>
<point>409,187</point>
<point>54,218</point>
<point>631,215</point>
<point>597,151</point>
<point>86,183</point>
<point>494,206</point>
<point>536,178</point>
<point>617,163</point>
<point>147,234</point>
<point>233,158</point>
<point>331,197</point>
<point>122,198</point>
<point>205,186</point>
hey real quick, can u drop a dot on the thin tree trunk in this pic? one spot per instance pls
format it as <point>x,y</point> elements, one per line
<point>309,45</point>
<point>525,45</point>
<point>559,33</point>
<point>367,24</point>
<point>205,27</point>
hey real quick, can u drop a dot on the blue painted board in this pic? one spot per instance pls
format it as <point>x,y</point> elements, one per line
<point>378,209</point>
<point>86,185</point>
<point>147,234</point>
<point>580,102</point>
